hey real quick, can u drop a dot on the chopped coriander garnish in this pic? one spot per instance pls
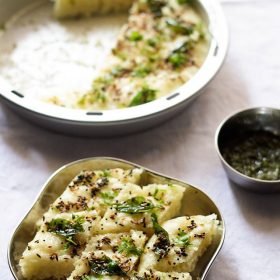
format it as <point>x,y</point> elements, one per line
<point>159,195</point>
<point>106,173</point>
<point>67,229</point>
<point>106,80</point>
<point>135,205</point>
<point>82,102</point>
<point>179,56</point>
<point>152,42</point>
<point>177,59</point>
<point>108,197</point>
<point>127,247</point>
<point>141,72</point>
<point>162,245</point>
<point>200,28</point>
<point>179,28</point>
<point>135,36</point>
<point>98,92</point>
<point>183,239</point>
<point>145,95</point>
<point>119,54</point>
<point>100,97</point>
<point>105,266</point>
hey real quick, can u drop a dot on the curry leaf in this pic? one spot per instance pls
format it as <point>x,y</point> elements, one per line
<point>135,205</point>
<point>145,95</point>
<point>162,245</point>
<point>66,228</point>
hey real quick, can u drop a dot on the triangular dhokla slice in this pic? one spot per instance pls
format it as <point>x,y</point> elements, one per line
<point>110,256</point>
<point>178,244</point>
<point>84,192</point>
<point>60,238</point>
<point>133,206</point>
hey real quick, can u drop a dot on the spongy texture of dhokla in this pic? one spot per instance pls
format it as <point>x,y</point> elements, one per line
<point>124,249</point>
<point>164,200</point>
<point>50,253</point>
<point>189,238</point>
<point>70,8</point>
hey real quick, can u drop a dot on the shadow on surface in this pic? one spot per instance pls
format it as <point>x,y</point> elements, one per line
<point>223,268</point>
<point>265,206</point>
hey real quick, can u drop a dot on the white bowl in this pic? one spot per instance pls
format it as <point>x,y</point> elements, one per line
<point>128,120</point>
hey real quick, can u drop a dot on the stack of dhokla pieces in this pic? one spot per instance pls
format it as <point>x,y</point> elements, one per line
<point>107,225</point>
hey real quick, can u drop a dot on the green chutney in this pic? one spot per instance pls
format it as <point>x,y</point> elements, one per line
<point>255,154</point>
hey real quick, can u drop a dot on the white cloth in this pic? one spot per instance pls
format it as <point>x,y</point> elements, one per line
<point>182,148</point>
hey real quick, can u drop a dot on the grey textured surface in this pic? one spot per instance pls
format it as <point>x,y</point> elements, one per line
<point>182,148</point>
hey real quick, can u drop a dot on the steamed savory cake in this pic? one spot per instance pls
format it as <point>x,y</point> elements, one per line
<point>55,245</point>
<point>71,221</point>
<point>122,250</point>
<point>131,207</point>
<point>162,46</point>
<point>93,190</point>
<point>179,242</point>
<point>110,224</point>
